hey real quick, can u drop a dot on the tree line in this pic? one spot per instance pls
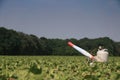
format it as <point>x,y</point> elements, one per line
<point>19,43</point>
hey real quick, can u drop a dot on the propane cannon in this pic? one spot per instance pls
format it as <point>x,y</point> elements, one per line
<point>102,54</point>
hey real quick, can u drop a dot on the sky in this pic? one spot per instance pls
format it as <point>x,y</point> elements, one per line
<point>63,19</point>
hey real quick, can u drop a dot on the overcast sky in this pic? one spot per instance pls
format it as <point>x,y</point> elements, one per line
<point>63,18</point>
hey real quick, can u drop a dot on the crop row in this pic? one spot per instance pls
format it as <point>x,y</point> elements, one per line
<point>57,68</point>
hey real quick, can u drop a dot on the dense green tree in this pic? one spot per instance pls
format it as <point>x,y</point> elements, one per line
<point>18,43</point>
<point>9,41</point>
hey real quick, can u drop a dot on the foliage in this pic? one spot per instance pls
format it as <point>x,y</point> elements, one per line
<point>18,43</point>
<point>57,68</point>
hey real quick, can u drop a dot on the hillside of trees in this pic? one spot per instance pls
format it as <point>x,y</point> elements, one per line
<point>18,43</point>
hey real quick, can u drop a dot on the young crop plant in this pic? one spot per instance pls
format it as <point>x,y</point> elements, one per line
<point>57,68</point>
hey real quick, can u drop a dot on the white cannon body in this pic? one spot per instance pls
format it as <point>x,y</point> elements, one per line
<point>102,55</point>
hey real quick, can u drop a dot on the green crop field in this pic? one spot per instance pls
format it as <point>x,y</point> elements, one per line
<point>57,68</point>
